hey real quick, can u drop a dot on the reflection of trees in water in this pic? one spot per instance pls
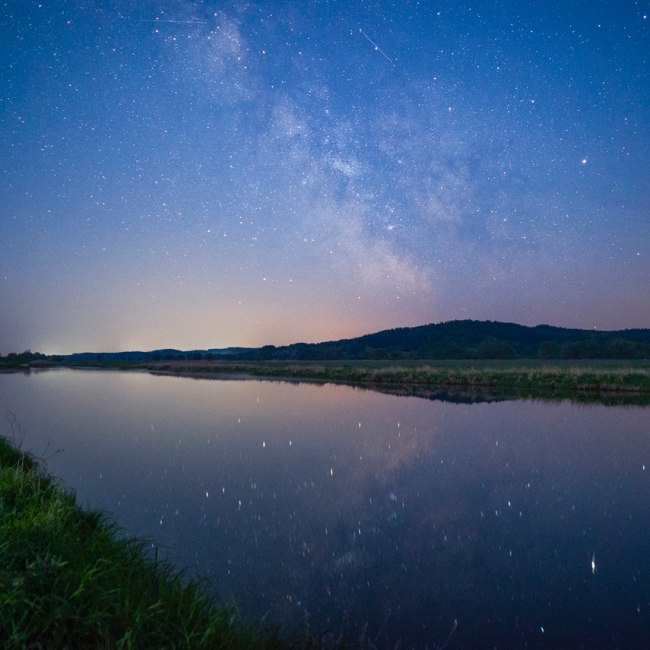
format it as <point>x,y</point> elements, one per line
<point>486,395</point>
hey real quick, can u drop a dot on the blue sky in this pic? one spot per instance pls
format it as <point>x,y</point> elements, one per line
<point>205,174</point>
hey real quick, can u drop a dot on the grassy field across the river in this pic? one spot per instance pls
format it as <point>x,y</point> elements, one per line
<point>600,376</point>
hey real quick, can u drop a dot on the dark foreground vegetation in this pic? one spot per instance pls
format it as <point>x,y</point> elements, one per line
<point>68,580</point>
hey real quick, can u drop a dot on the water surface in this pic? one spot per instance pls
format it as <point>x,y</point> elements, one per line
<point>485,525</point>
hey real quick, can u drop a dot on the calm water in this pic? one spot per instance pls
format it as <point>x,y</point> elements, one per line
<point>526,522</point>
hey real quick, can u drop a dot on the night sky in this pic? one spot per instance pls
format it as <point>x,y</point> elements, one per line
<point>207,174</point>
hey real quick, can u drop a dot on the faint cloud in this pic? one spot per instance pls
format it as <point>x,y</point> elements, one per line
<point>350,167</point>
<point>383,266</point>
<point>362,259</point>
<point>430,169</point>
<point>218,60</point>
<point>304,163</point>
<point>445,192</point>
<point>286,123</point>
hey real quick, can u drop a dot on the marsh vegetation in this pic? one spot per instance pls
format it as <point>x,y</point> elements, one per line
<point>525,378</point>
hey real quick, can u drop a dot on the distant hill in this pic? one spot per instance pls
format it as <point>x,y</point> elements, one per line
<point>460,339</point>
<point>470,339</point>
<point>169,354</point>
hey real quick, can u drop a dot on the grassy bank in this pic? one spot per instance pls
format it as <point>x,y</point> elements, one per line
<point>67,580</point>
<point>525,377</point>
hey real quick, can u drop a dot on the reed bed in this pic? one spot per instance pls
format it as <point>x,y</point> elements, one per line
<point>524,376</point>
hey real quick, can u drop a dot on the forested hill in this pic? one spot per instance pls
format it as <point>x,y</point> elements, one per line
<point>469,339</point>
<point>461,339</point>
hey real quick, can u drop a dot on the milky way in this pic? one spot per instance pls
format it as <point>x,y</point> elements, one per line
<point>201,174</point>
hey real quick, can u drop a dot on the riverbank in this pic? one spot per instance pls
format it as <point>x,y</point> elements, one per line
<point>69,580</point>
<point>523,377</point>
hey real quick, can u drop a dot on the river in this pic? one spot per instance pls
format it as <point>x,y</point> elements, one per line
<point>461,525</point>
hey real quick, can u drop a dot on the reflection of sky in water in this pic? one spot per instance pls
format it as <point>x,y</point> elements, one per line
<point>525,521</point>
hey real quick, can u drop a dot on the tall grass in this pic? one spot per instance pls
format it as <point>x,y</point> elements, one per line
<point>68,580</point>
<point>525,376</point>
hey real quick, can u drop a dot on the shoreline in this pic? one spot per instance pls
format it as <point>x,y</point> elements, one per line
<point>604,381</point>
<point>607,381</point>
<point>70,578</point>
<point>606,377</point>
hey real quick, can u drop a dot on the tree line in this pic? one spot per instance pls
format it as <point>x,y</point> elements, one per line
<point>466,339</point>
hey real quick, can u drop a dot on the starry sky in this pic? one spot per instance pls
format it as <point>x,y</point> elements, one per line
<point>207,174</point>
